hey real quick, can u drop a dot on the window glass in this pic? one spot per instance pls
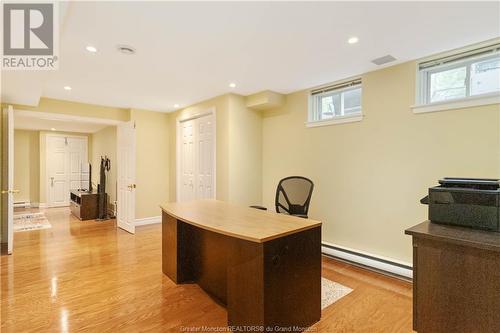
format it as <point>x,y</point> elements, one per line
<point>460,76</point>
<point>485,77</point>
<point>352,101</point>
<point>341,102</point>
<point>448,84</point>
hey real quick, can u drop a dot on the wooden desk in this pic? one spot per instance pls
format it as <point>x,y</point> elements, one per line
<point>456,279</point>
<point>264,267</point>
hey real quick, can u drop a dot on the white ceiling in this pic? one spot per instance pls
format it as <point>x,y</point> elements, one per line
<point>191,51</point>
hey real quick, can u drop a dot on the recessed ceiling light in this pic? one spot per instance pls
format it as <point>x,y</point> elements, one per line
<point>176,105</point>
<point>52,129</point>
<point>232,85</point>
<point>67,88</point>
<point>126,49</point>
<point>91,49</point>
<point>353,40</point>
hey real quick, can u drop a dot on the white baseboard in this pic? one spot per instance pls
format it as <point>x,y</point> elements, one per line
<point>46,205</point>
<point>148,220</point>
<point>369,260</point>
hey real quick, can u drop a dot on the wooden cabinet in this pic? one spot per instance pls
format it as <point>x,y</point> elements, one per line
<point>456,279</point>
<point>84,205</point>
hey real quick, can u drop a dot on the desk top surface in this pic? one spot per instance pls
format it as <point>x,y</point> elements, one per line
<point>488,240</point>
<point>237,221</point>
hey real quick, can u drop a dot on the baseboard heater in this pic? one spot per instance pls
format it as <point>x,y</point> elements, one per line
<point>22,204</point>
<point>369,261</point>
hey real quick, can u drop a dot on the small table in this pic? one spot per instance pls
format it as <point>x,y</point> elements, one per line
<point>84,204</point>
<point>456,279</point>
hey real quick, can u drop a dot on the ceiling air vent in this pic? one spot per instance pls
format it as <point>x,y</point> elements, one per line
<point>383,60</point>
<point>125,49</point>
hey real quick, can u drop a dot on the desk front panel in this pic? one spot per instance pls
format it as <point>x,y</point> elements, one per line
<point>275,283</point>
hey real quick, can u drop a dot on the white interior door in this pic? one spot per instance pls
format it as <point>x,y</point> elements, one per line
<point>188,160</point>
<point>196,153</point>
<point>66,156</point>
<point>57,166</point>
<point>126,177</point>
<point>8,178</point>
<point>205,158</point>
<point>78,160</point>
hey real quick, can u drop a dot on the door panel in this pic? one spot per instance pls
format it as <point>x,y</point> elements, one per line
<point>205,158</point>
<point>197,157</point>
<point>188,161</point>
<point>57,171</point>
<point>126,177</point>
<point>8,178</point>
<point>65,157</point>
<point>78,156</point>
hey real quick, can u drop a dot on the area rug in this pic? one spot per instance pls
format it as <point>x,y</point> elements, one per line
<point>30,221</point>
<point>332,292</point>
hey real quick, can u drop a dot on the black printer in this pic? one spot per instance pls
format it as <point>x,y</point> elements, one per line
<point>468,202</point>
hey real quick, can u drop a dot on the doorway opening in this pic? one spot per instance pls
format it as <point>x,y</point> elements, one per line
<point>65,171</point>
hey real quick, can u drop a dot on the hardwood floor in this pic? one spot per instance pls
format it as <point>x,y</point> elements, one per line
<point>91,277</point>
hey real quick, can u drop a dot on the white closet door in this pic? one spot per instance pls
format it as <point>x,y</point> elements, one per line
<point>188,160</point>
<point>197,158</point>
<point>65,157</point>
<point>58,182</point>
<point>78,156</point>
<point>205,158</point>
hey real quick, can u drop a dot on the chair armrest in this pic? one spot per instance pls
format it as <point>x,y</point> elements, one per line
<point>259,207</point>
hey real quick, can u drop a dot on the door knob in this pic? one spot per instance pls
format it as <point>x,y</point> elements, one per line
<point>10,191</point>
<point>131,186</point>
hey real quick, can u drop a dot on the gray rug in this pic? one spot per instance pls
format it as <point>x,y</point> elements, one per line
<point>30,221</point>
<point>332,292</point>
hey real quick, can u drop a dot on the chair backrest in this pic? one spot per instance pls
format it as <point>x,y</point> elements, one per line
<point>293,195</point>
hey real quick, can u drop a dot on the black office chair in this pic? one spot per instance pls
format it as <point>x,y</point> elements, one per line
<point>293,196</point>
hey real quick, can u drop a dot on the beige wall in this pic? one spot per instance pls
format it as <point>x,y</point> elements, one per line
<point>369,176</point>
<point>152,166</point>
<point>27,165</point>
<point>245,153</point>
<point>238,148</point>
<point>103,143</point>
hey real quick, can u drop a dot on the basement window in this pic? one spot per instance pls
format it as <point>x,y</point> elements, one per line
<point>335,104</point>
<point>463,79</point>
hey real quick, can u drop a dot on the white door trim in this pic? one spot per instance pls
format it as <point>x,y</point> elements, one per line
<point>46,176</point>
<point>210,111</point>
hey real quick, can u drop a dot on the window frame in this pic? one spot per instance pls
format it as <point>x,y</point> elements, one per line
<point>314,104</point>
<point>423,103</point>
